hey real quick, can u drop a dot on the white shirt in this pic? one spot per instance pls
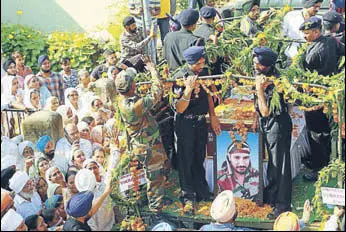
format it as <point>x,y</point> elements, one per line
<point>26,208</point>
<point>64,148</point>
<point>331,224</point>
<point>104,219</point>
<point>292,22</point>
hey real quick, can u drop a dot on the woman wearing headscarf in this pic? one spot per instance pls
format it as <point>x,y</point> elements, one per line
<point>32,100</point>
<point>12,95</point>
<point>96,105</point>
<point>84,130</point>
<point>104,219</point>
<point>32,82</point>
<point>56,181</point>
<point>67,115</point>
<point>72,99</point>
<point>52,104</point>
<point>97,135</point>
<point>78,157</point>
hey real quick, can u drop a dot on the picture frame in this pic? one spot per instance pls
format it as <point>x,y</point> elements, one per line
<point>216,148</point>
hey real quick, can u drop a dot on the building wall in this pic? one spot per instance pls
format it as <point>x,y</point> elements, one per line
<point>57,15</point>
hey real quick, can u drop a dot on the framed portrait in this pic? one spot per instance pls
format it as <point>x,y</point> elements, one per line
<point>237,165</point>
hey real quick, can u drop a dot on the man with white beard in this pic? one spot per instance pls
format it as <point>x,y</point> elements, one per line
<point>26,201</point>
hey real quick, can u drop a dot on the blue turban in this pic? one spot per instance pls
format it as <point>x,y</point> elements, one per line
<point>53,201</point>
<point>42,143</point>
<point>80,204</point>
<point>266,56</point>
<point>188,17</point>
<point>311,23</point>
<point>193,54</point>
<point>41,59</point>
<point>207,12</point>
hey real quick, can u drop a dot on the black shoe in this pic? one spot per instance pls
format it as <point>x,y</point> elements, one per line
<point>209,198</point>
<point>276,213</point>
<point>312,176</point>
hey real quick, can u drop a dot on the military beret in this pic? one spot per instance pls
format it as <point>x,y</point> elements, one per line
<point>266,56</point>
<point>128,21</point>
<point>310,3</point>
<point>207,12</point>
<point>247,6</point>
<point>311,23</point>
<point>188,17</point>
<point>124,80</point>
<point>7,63</point>
<point>41,59</point>
<point>332,17</point>
<point>193,54</point>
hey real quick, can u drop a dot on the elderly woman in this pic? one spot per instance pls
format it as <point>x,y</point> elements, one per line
<point>32,100</point>
<point>97,136</point>
<point>72,100</point>
<point>33,82</point>
<point>52,104</point>
<point>56,181</point>
<point>12,95</point>
<point>78,157</point>
<point>84,130</point>
<point>67,115</point>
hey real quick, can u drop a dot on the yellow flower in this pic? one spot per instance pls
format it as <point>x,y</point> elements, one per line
<point>29,36</point>
<point>10,36</point>
<point>19,12</point>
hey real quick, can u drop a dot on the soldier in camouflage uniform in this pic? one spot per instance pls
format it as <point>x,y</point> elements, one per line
<point>143,133</point>
<point>237,174</point>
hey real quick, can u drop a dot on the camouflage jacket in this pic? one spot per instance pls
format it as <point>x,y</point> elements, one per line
<point>141,126</point>
<point>248,190</point>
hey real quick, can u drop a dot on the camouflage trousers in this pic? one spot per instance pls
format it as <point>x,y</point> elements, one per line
<point>156,168</point>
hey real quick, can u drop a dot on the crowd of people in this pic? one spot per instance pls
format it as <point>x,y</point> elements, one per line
<point>65,184</point>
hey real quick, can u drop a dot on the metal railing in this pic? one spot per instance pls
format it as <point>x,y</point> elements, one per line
<point>13,119</point>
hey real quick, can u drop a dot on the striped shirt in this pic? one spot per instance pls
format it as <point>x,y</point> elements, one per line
<point>72,80</point>
<point>55,85</point>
